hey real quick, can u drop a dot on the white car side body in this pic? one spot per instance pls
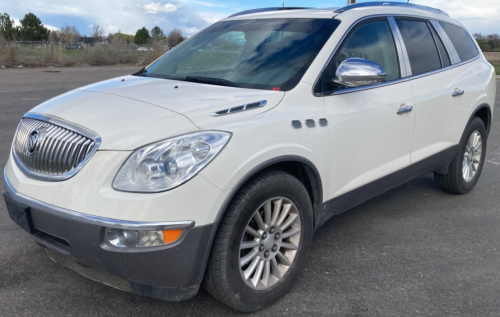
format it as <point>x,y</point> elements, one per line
<point>346,154</point>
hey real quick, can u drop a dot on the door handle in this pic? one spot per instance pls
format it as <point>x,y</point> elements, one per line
<point>457,93</point>
<point>404,110</point>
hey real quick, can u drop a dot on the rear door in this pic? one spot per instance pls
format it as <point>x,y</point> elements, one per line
<point>440,91</point>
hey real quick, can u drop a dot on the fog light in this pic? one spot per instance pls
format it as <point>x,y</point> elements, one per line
<point>123,238</point>
<point>150,238</point>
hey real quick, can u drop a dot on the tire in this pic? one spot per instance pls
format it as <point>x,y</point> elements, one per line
<point>225,277</point>
<point>455,181</point>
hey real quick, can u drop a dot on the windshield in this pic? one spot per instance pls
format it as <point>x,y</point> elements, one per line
<point>268,54</point>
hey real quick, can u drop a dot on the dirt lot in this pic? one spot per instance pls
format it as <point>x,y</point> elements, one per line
<point>492,57</point>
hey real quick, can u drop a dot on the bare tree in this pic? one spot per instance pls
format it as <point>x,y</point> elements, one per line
<point>54,36</point>
<point>69,34</point>
<point>175,37</point>
<point>98,33</point>
<point>478,36</point>
<point>109,38</point>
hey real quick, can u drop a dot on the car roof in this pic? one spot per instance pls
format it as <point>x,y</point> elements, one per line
<point>359,9</point>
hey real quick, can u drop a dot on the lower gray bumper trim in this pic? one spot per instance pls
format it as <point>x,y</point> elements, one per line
<point>93,220</point>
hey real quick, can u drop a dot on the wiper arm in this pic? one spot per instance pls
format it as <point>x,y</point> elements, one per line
<point>212,80</point>
<point>141,72</point>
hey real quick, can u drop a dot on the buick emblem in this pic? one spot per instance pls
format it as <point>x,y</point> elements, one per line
<point>32,142</point>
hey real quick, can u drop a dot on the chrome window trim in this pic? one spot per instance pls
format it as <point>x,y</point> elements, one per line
<point>455,59</point>
<point>70,126</point>
<point>400,44</point>
<point>89,219</point>
<point>397,81</point>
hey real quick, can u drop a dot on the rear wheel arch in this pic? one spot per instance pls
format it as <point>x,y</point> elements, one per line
<point>482,112</point>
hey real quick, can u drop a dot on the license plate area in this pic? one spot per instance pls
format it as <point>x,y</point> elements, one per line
<point>20,214</point>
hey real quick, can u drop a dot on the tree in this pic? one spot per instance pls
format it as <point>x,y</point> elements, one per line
<point>54,36</point>
<point>7,29</point>
<point>117,38</point>
<point>478,36</point>
<point>129,38</point>
<point>98,33</point>
<point>32,29</point>
<point>485,47</point>
<point>156,33</point>
<point>141,36</point>
<point>69,34</point>
<point>492,44</point>
<point>175,37</point>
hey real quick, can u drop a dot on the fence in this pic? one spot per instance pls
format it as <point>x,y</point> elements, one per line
<point>35,54</point>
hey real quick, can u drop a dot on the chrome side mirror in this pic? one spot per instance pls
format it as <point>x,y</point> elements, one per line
<point>356,72</point>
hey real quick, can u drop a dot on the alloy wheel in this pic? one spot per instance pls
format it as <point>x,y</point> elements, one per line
<point>269,244</point>
<point>472,156</point>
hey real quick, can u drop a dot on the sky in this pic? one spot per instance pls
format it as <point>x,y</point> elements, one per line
<point>192,16</point>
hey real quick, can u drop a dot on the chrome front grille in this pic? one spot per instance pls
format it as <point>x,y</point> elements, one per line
<point>51,149</point>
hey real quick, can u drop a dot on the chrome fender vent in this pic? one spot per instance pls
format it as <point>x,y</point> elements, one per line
<point>50,149</point>
<point>246,107</point>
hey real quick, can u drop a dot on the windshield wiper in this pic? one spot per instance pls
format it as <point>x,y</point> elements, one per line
<point>141,72</point>
<point>211,80</point>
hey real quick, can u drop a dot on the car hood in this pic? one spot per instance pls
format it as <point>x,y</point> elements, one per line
<point>194,100</point>
<point>129,112</point>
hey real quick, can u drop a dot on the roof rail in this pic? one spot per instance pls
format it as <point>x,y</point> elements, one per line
<point>266,10</point>
<point>392,4</point>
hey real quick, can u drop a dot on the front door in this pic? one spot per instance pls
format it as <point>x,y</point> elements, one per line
<point>371,142</point>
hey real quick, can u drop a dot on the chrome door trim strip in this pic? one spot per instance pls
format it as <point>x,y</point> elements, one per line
<point>90,219</point>
<point>350,90</point>
<point>455,59</point>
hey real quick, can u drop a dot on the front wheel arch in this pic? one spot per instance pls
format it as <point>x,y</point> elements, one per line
<point>298,166</point>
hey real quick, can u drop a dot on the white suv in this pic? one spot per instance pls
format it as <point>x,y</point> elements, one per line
<point>216,163</point>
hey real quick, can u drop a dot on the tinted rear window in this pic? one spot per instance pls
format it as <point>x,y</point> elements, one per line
<point>420,46</point>
<point>463,43</point>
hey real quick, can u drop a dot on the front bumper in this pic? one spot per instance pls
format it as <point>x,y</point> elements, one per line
<point>172,272</point>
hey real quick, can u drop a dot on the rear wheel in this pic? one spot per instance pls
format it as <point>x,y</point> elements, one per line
<point>465,169</point>
<point>262,242</point>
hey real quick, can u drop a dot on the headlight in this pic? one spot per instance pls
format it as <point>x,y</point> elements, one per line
<point>167,164</point>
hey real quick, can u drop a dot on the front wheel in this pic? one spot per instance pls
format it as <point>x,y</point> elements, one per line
<point>465,169</point>
<point>262,242</point>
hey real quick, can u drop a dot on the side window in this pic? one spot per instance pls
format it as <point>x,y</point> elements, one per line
<point>372,41</point>
<point>445,58</point>
<point>420,45</point>
<point>462,41</point>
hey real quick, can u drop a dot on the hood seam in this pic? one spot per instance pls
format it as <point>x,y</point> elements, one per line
<point>152,104</point>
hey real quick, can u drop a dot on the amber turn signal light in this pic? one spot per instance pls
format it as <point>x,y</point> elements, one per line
<point>170,236</point>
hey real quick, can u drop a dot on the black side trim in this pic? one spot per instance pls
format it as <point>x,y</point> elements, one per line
<point>364,193</point>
